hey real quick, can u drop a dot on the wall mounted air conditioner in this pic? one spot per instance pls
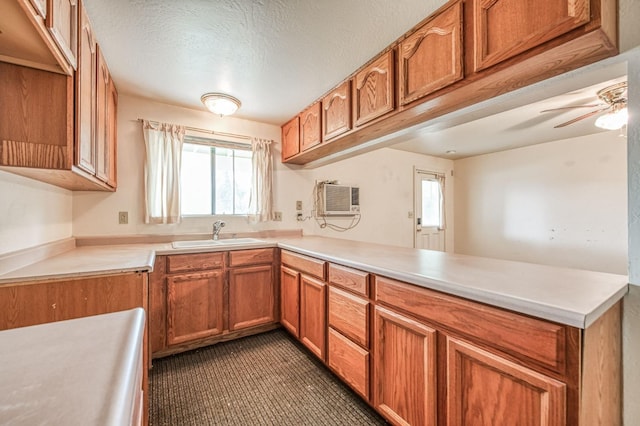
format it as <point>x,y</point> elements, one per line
<point>340,200</point>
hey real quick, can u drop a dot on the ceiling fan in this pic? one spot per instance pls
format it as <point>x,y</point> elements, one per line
<point>614,100</point>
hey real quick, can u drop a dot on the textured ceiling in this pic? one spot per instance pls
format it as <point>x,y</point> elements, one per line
<point>276,56</point>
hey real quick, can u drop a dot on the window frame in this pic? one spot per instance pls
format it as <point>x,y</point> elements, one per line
<point>216,143</point>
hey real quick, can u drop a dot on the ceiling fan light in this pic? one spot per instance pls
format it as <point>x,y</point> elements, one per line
<point>613,120</point>
<point>220,104</point>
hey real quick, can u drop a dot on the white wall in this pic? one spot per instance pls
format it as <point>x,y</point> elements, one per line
<point>384,176</point>
<point>560,203</point>
<point>31,213</point>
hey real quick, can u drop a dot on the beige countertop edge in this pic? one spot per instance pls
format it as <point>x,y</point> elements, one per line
<point>93,384</point>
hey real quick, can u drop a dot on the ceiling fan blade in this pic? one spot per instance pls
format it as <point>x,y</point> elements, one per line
<point>572,107</point>
<point>582,117</point>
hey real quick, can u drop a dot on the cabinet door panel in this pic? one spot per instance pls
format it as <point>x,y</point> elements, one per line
<point>349,361</point>
<point>431,58</point>
<point>404,369</point>
<point>336,111</point>
<point>373,90</point>
<point>505,28</point>
<point>86,96</point>
<point>484,388</point>
<point>349,314</point>
<point>112,135</point>
<point>251,297</point>
<point>310,130</point>
<point>290,300</point>
<point>102,99</point>
<point>62,22</point>
<point>313,314</point>
<point>194,306</point>
<point>291,138</point>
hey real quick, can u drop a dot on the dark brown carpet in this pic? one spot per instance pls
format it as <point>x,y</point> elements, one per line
<point>267,379</point>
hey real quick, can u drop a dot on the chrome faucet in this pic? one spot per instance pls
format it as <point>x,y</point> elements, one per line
<point>217,226</point>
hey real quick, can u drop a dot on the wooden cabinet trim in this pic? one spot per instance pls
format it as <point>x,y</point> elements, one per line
<point>306,264</point>
<point>349,314</point>
<point>466,402</point>
<point>349,279</point>
<point>195,262</point>
<point>250,257</point>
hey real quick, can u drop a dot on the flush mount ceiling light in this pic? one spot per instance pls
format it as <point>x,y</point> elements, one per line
<point>220,104</point>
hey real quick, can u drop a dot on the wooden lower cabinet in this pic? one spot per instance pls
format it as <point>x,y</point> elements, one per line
<point>194,306</point>
<point>486,389</point>
<point>313,314</point>
<point>404,360</point>
<point>290,300</point>
<point>251,297</point>
<point>349,361</point>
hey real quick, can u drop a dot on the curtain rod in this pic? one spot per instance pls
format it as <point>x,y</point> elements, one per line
<point>211,132</point>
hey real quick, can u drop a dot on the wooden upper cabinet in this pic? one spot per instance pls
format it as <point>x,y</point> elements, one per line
<point>373,90</point>
<point>112,135</point>
<point>431,58</point>
<point>62,22</point>
<point>505,28</point>
<point>102,108</point>
<point>310,131</point>
<point>484,388</point>
<point>291,138</point>
<point>86,96</point>
<point>336,111</point>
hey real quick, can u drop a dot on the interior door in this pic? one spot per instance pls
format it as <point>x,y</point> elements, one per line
<point>429,225</point>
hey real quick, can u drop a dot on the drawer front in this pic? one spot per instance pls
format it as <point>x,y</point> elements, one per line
<point>308,265</point>
<point>195,262</point>
<point>350,362</point>
<point>543,342</point>
<point>250,257</point>
<point>349,314</point>
<point>350,279</point>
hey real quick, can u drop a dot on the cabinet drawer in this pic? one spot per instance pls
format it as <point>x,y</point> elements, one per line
<point>350,279</point>
<point>195,262</point>
<point>349,314</point>
<point>308,265</point>
<point>543,342</point>
<point>250,257</point>
<point>350,362</point>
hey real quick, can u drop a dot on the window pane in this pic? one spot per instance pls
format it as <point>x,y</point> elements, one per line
<point>224,181</point>
<point>431,203</point>
<point>243,175</point>
<point>195,180</point>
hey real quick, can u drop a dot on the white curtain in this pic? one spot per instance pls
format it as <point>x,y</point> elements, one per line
<point>261,206</point>
<point>163,143</point>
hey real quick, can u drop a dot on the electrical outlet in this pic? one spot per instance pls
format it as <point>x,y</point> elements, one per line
<point>277,216</point>
<point>298,205</point>
<point>410,214</point>
<point>123,218</point>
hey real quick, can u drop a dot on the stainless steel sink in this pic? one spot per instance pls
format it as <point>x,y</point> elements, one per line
<point>216,243</point>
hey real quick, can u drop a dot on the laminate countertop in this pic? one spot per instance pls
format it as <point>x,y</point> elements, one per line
<point>83,371</point>
<point>567,296</point>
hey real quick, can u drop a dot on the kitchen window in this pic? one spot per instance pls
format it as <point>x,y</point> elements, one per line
<point>215,177</point>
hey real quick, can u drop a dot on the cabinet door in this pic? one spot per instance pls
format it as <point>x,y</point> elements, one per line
<point>505,28</point>
<point>41,7</point>
<point>349,314</point>
<point>373,87</point>
<point>404,369</point>
<point>251,297</point>
<point>349,361</point>
<point>291,138</point>
<point>102,107</point>
<point>313,314</point>
<point>336,111</point>
<point>112,135</point>
<point>484,388</point>
<point>194,306</point>
<point>86,96</point>
<point>290,300</point>
<point>62,22</point>
<point>431,57</point>
<point>310,131</point>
